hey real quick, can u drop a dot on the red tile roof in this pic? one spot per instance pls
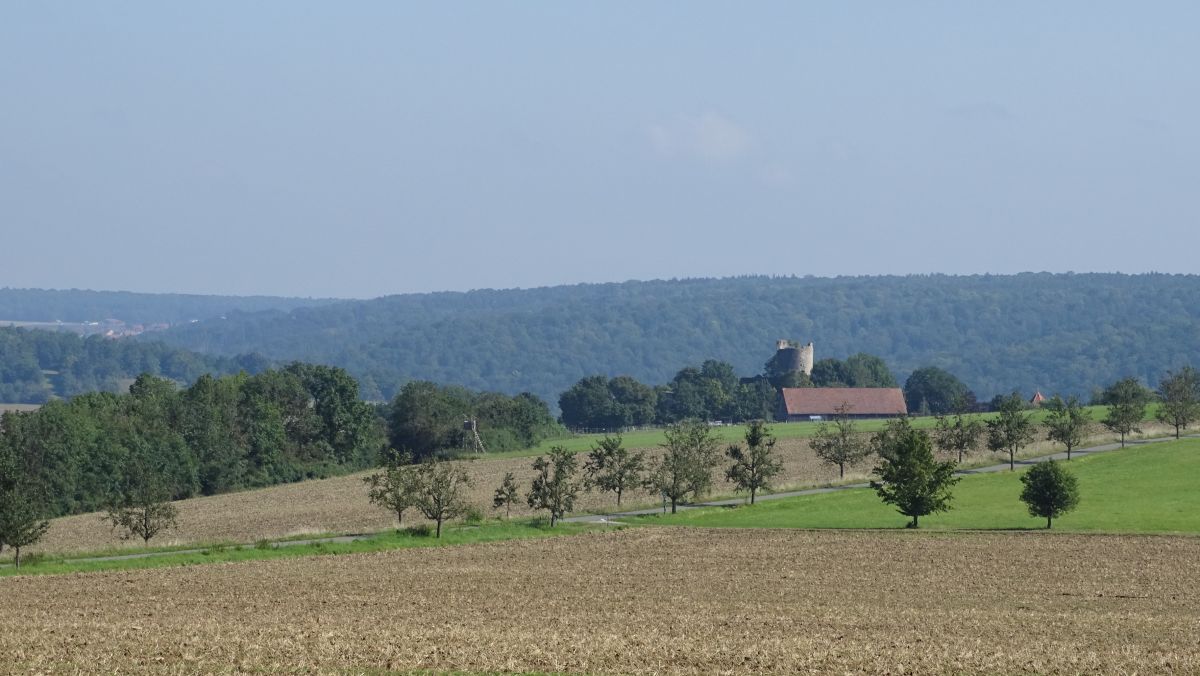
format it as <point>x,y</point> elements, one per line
<point>860,400</point>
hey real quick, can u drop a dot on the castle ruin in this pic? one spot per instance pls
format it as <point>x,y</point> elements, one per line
<point>794,356</point>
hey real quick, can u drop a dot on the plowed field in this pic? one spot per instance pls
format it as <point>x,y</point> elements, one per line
<point>647,600</point>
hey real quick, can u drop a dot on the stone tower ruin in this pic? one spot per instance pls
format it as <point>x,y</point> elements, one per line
<point>794,356</point>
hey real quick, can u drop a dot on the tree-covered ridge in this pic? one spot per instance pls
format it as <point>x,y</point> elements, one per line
<point>36,366</point>
<point>1055,332</point>
<point>218,435</point>
<point>76,305</point>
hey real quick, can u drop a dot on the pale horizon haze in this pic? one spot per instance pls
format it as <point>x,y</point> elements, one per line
<point>371,148</point>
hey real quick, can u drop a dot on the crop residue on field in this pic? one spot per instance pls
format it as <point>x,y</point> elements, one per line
<point>642,600</point>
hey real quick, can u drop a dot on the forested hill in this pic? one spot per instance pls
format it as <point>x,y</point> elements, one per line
<point>37,366</point>
<point>75,305</point>
<point>1059,333</point>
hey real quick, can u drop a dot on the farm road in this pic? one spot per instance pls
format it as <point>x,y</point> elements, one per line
<point>1002,467</point>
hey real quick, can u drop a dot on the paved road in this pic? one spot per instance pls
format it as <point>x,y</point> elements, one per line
<point>1002,467</point>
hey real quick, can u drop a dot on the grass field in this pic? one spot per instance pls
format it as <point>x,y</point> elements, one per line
<point>1140,489</point>
<point>645,600</point>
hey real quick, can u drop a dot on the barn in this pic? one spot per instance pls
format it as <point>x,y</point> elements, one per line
<point>798,404</point>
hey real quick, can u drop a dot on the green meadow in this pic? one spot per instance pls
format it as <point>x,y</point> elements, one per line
<point>1150,489</point>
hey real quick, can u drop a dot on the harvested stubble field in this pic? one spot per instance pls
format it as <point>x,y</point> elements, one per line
<point>647,600</point>
<point>340,504</point>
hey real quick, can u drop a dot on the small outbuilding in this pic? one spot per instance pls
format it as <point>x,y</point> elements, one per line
<point>802,404</point>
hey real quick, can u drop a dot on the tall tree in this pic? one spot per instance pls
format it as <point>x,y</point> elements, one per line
<point>840,444</point>
<point>554,488</point>
<point>1126,400</point>
<point>931,390</point>
<point>958,434</point>
<point>1050,490</point>
<point>685,469</point>
<point>1011,430</point>
<point>1179,393</point>
<point>1067,421</point>
<point>911,479</point>
<point>612,468</point>
<point>755,465</point>
<point>441,491</point>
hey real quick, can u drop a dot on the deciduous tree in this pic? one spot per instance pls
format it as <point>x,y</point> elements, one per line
<point>1126,400</point>
<point>612,468</point>
<point>685,469</point>
<point>1050,490</point>
<point>1067,422</point>
<point>506,495</point>
<point>554,488</point>
<point>142,508</point>
<point>958,434</point>
<point>21,515</point>
<point>840,444</point>
<point>440,493</point>
<point>1011,430</point>
<point>911,479</point>
<point>1179,393</point>
<point>755,465</point>
<point>394,487</point>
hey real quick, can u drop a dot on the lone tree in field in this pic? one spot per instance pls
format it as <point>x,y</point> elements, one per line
<point>685,469</point>
<point>554,488</point>
<point>1050,490</point>
<point>1011,430</point>
<point>21,522</point>
<point>393,488</point>
<point>506,495</point>
<point>755,465</point>
<point>840,444</point>
<point>143,507</point>
<point>1126,401</point>
<point>959,434</point>
<point>911,479</point>
<point>612,468</point>
<point>1067,422</point>
<point>440,492</point>
<point>1180,396</point>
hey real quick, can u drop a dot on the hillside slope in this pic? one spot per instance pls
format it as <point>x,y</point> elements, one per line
<point>77,305</point>
<point>1055,332</point>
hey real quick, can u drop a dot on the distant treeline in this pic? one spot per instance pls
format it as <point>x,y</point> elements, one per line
<point>1056,332</point>
<point>36,366</point>
<point>75,305</point>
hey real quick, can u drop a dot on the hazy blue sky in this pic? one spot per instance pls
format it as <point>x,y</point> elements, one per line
<point>365,148</point>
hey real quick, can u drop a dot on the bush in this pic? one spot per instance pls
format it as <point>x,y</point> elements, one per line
<point>473,516</point>
<point>420,531</point>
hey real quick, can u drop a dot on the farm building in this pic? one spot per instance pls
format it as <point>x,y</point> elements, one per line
<point>818,403</point>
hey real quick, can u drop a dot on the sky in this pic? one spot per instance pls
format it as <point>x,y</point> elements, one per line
<point>370,148</point>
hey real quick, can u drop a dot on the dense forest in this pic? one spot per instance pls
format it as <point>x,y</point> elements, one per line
<point>36,366</point>
<point>1065,333</point>
<point>75,305</point>
<point>217,435</point>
